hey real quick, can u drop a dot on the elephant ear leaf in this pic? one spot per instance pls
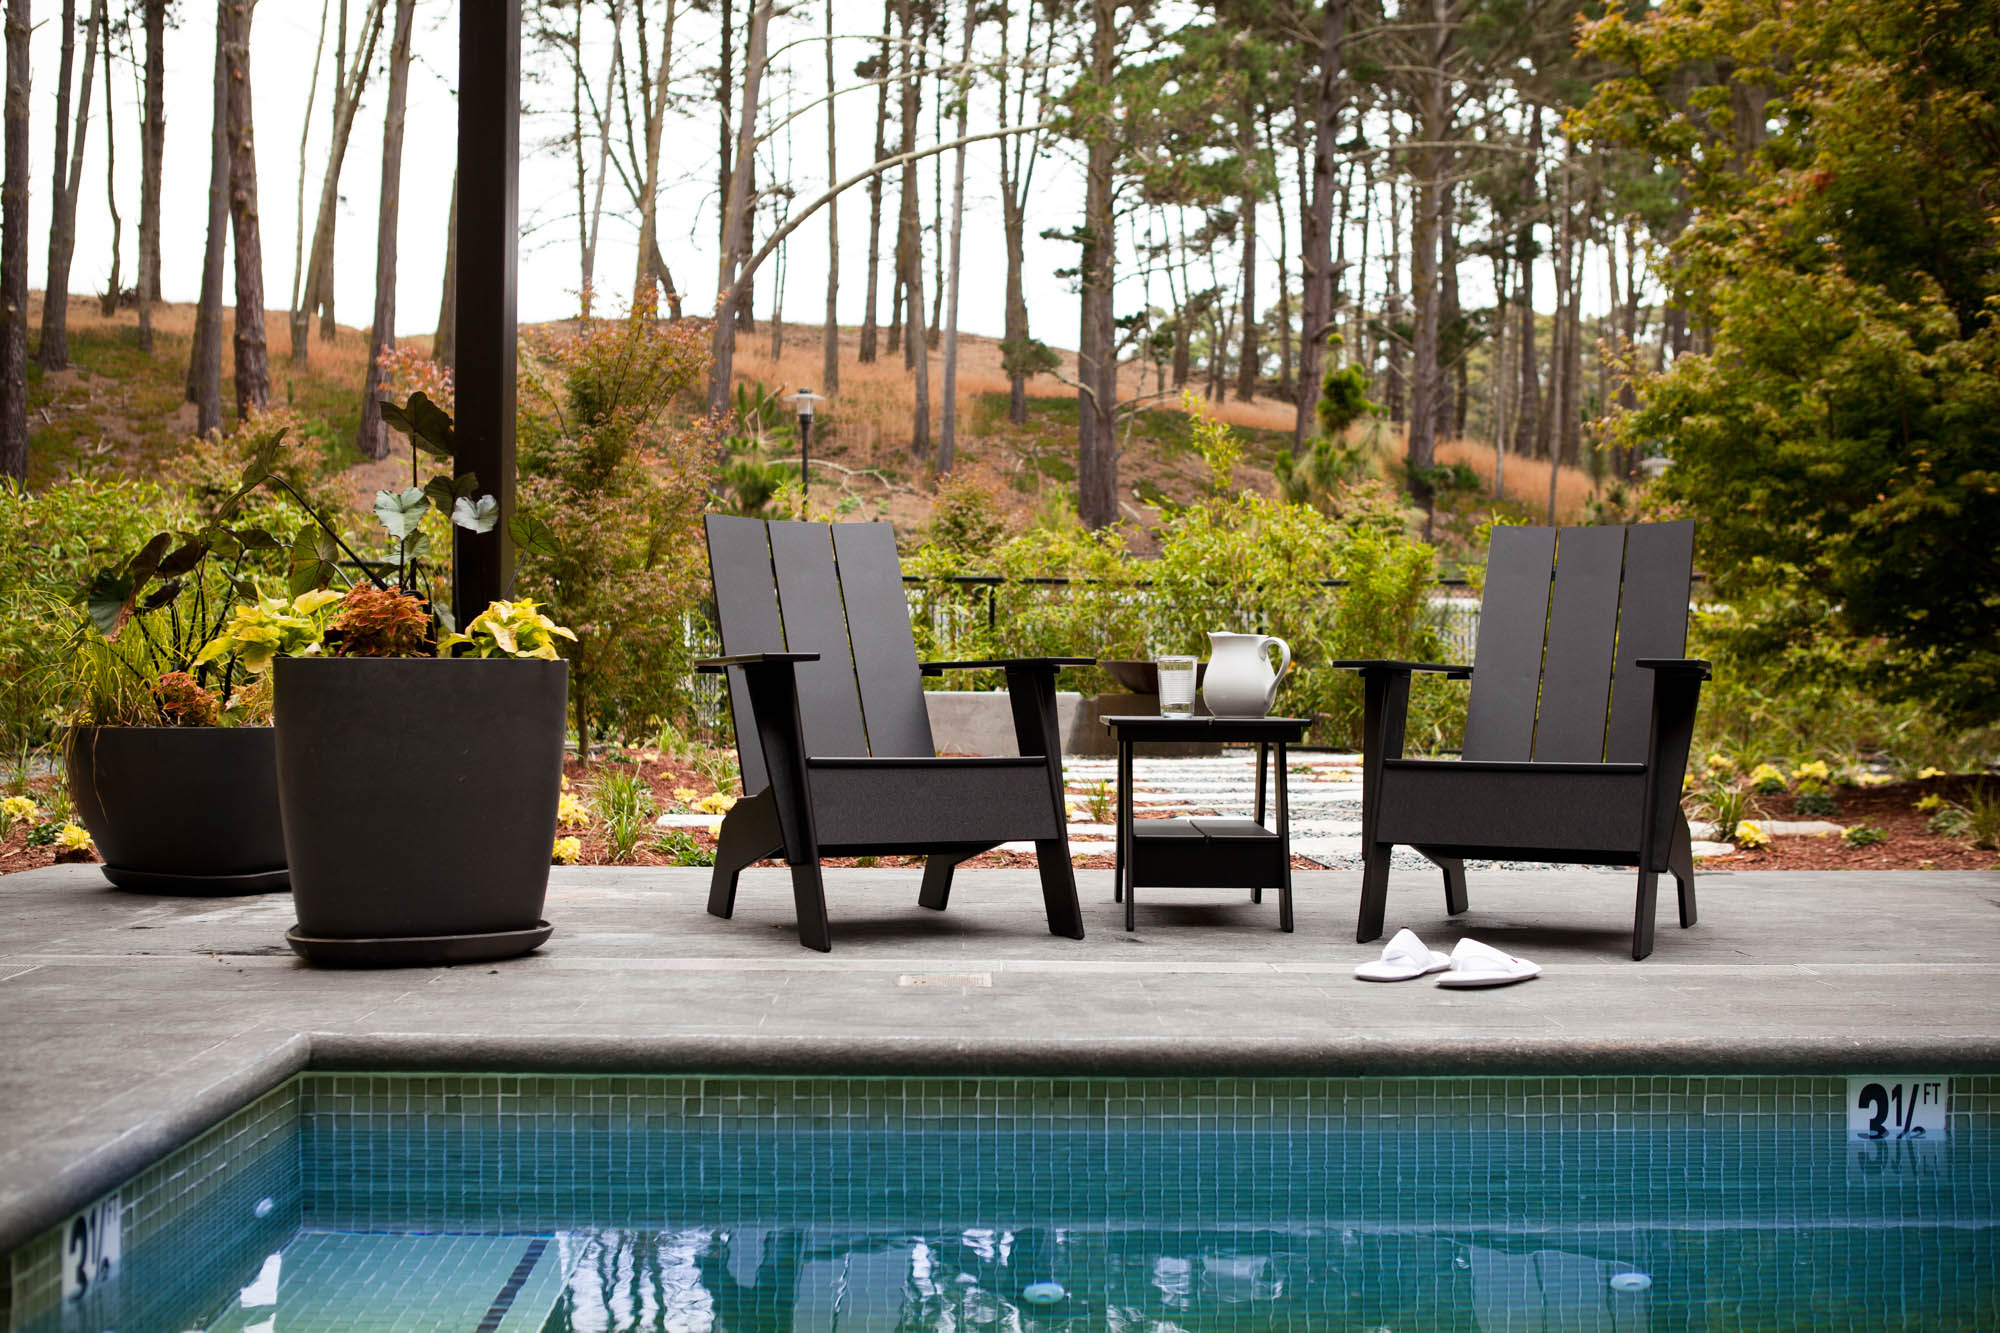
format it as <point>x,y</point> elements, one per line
<point>161,595</point>
<point>146,563</point>
<point>401,511</point>
<point>433,427</point>
<point>312,564</point>
<point>109,600</point>
<point>479,515</point>
<point>180,561</point>
<point>533,534</point>
<point>441,493</point>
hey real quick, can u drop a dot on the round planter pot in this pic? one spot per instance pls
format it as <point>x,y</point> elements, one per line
<point>419,800</point>
<point>180,809</point>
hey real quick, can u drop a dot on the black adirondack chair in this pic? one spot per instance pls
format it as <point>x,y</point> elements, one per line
<point>832,734</point>
<point>1577,732</point>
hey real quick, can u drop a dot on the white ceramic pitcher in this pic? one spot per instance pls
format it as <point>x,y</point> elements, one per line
<point>1239,681</point>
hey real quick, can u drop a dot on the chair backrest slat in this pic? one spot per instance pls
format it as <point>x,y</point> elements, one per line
<point>1507,661</point>
<point>746,613</point>
<point>1659,566</point>
<point>1583,626</point>
<point>885,652</point>
<point>815,622</point>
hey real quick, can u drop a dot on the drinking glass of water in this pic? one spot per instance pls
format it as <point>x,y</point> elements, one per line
<point>1176,686</point>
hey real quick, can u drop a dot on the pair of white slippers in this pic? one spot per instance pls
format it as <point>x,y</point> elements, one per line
<point>1470,964</point>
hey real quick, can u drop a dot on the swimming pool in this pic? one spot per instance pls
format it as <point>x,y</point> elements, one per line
<point>524,1202</point>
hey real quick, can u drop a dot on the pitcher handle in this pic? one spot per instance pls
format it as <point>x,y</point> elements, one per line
<point>1285,659</point>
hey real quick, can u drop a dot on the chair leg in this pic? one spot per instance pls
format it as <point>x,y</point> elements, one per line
<point>1455,900</point>
<point>1059,888</point>
<point>1680,859</point>
<point>809,899</point>
<point>1642,914</point>
<point>749,834</point>
<point>1374,891</point>
<point>936,892</point>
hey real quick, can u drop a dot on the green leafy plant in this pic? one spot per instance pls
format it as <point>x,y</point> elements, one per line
<point>626,804</point>
<point>1864,835</point>
<point>508,629</point>
<point>1815,803</point>
<point>380,622</point>
<point>1099,798</point>
<point>1982,809</point>
<point>272,627</point>
<point>682,848</point>
<point>1950,821</point>
<point>1725,804</point>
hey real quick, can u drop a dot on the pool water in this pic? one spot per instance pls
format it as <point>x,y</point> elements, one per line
<point>572,1204</point>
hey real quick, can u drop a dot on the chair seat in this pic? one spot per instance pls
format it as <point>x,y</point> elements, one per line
<point>1532,808</point>
<point>917,801</point>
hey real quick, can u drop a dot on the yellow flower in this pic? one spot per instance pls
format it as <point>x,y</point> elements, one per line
<point>73,838</point>
<point>1926,773</point>
<point>572,811</point>
<point>1931,802</point>
<point>1874,779</point>
<point>715,803</point>
<point>1816,771</point>
<point>1766,778</point>
<point>1721,765</point>
<point>1687,783</point>
<point>1749,835</point>
<point>17,810</point>
<point>568,851</point>
<point>686,795</point>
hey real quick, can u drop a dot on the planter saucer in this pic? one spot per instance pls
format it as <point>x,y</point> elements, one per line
<point>198,886</point>
<point>419,950</point>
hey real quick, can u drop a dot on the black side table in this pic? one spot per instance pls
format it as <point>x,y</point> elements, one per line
<point>1203,852</point>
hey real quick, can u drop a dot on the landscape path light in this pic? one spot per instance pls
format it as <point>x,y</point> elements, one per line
<point>805,400</point>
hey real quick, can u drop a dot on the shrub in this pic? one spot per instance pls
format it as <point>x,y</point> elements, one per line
<point>1864,835</point>
<point>51,542</point>
<point>612,464</point>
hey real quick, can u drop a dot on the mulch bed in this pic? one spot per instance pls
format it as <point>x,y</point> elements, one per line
<point>1910,844</point>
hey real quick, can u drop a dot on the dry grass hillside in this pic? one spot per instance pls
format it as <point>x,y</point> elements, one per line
<point>120,409</point>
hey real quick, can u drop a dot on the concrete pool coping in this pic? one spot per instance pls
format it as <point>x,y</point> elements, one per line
<point>134,1023</point>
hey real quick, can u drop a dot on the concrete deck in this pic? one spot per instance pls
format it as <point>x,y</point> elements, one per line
<point>129,1024</point>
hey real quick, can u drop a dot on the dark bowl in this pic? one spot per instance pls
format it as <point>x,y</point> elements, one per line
<point>1143,676</point>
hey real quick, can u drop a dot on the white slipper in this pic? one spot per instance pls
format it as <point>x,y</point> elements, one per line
<point>1476,964</point>
<point>1403,957</point>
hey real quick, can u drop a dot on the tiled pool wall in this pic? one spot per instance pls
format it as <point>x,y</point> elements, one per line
<point>516,1152</point>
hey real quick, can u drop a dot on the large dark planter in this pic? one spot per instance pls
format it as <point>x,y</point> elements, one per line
<point>419,798</point>
<point>180,809</point>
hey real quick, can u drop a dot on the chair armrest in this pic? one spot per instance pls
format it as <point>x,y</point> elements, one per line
<point>1688,666</point>
<point>998,663</point>
<point>713,665</point>
<point>1388,664</point>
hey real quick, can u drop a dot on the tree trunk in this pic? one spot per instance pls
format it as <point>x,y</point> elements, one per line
<point>1097,349</point>
<point>725,89</point>
<point>1527,418</point>
<point>909,211</point>
<point>152,150</point>
<point>66,180</point>
<point>722,338</point>
<point>1451,349</point>
<point>373,438</point>
<point>108,304</point>
<point>318,291</point>
<point>594,228</point>
<point>205,363</point>
<point>653,92</point>
<point>305,141</point>
<point>1316,226</point>
<point>948,426</point>
<point>444,343</point>
<point>1432,193</point>
<point>14,252</point>
<point>1248,356</point>
<point>253,367</point>
<point>868,315</point>
<point>830,341</point>
<point>1285,384</point>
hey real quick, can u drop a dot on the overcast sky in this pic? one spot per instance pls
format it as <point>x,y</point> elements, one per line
<point>283,44</point>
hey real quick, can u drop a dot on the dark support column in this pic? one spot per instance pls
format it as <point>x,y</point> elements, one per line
<point>489,161</point>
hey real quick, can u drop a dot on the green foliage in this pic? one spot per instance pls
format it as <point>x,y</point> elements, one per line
<point>1815,803</point>
<point>508,629</point>
<point>1244,563</point>
<point>271,627</point>
<point>1028,357</point>
<point>625,802</point>
<point>966,518</point>
<point>613,473</point>
<point>1953,821</point>
<point>682,848</point>
<point>51,542</point>
<point>1343,400</point>
<point>1863,835</point>
<point>1841,441</point>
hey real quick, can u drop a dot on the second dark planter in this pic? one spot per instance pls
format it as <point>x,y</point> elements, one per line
<point>419,800</point>
<point>180,809</point>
